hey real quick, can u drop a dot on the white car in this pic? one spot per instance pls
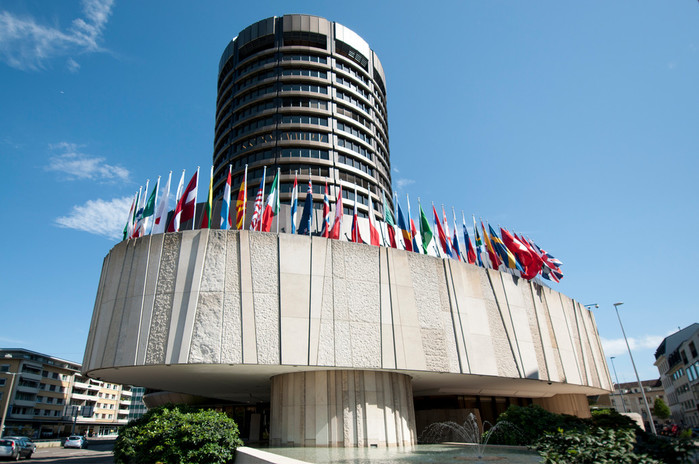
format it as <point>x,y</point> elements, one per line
<point>75,441</point>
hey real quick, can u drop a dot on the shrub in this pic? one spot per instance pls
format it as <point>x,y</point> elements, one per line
<point>665,449</point>
<point>530,423</point>
<point>597,446</point>
<point>178,435</point>
<point>611,419</point>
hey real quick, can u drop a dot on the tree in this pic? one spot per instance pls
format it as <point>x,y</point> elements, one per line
<point>660,409</point>
<point>178,435</point>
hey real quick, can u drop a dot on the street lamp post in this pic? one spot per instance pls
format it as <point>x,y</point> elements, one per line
<point>7,402</point>
<point>621,394</point>
<point>645,400</point>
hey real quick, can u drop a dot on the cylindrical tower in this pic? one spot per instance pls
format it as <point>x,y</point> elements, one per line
<point>308,96</point>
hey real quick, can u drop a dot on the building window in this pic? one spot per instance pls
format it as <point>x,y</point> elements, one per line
<point>298,119</point>
<point>305,73</point>
<point>304,88</point>
<point>309,136</point>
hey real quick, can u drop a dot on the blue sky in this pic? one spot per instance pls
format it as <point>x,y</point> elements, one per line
<point>574,123</point>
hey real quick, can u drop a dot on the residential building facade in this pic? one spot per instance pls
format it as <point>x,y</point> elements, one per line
<point>627,398</point>
<point>44,396</point>
<point>677,360</point>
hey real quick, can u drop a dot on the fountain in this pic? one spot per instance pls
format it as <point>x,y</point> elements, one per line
<point>468,433</point>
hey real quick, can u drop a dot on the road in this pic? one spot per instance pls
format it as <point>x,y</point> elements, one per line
<point>99,452</point>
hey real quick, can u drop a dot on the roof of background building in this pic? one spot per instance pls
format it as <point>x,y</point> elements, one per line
<point>672,342</point>
<point>656,383</point>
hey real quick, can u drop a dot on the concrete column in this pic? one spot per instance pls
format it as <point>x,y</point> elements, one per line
<point>362,409</point>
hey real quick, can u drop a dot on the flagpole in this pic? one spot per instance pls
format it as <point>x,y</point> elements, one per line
<point>437,248</point>
<point>264,178</point>
<point>279,184</point>
<point>196,195</point>
<point>155,210</point>
<point>245,198</point>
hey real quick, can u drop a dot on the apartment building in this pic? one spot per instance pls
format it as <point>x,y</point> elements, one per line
<point>677,360</point>
<point>43,396</point>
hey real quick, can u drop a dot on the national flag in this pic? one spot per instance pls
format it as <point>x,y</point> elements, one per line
<point>413,230</point>
<point>129,220</point>
<point>549,270</point>
<point>174,225</point>
<point>523,255</point>
<point>294,203</point>
<point>356,235</point>
<point>508,259</point>
<point>241,202</point>
<point>161,215</point>
<point>470,252</point>
<point>455,241</point>
<point>390,223</point>
<point>149,209</point>
<point>480,250</point>
<point>537,262</point>
<point>256,220</point>
<point>307,215</point>
<point>492,254</point>
<point>450,247</point>
<point>337,222</point>
<point>325,232</point>
<point>404,227</point>
<point>139,210</point>
<point>225,222</point>
<point>425,229</point>
<point>440,234</point>
<point>373,230</point>
<point>209,205</point>
<point>272,205</point>
<point>185,209</point>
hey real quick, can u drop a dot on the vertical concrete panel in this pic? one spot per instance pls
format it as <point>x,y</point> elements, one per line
<point>502,334</point>
<point>294,294</point>
<point>128,331</point>
<point>569,362</point>
<point>595,375</point>
<point>265,285</point>
<point>542,321</point>
<point>164,296</point>
<point>96,311</point>
<point>388,346</point>
<point>451,321</point>
<point>155,256</point>
<point>603,368</point>
<point>231,332</point>
<point>572,320</point>
<point>318,251</point>
<point>117,313</point>
<point>248,330</point>
<point>521,327</point>
<point>405,313</point>
<point>530,309</point>
<point>326,331</point>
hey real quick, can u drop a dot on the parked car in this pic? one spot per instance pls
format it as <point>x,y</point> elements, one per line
<point>29,443</point>
<point>75,441</point>
<point>13,448</point>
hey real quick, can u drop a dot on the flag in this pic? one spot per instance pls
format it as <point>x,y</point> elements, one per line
<point>404,227</point>
<point>493,259</point>
<point>325,232</point>
<point>307,215</point>
<point>356,235</point>
<point>139,210</point>
<point>209,205</point>
<point>294,203</point>
<point>225,222</point>
<point>129,219</point>
<point>480,251</point>
<point>149,209</point>
<point>390,223</point>
<point>373,230</point>
<point>529,265</point>
<point>537,262</point>
<point>470,252</point>
<point>337,223</point>
<point>241,202</point>
<point>455,241</point>
<point>185,209</point>
<point>450,248</point>
<point>550,269</point>
<point>413,230</point>
<point>272,205</point>
<point>256,221</point>
<point>508,259</point>
<point>174,225</point>
<point>440,233</point>
<point>161,215</point>
<point>425,229</point>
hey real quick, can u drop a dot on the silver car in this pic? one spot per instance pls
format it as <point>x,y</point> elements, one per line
<point>14,448</point>
<point>75,441</point>
<point>29,444</point>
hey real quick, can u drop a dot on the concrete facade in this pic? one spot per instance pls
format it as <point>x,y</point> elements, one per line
<point>220,313</point>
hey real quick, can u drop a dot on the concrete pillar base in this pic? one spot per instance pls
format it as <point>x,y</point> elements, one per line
<point>342,408</point>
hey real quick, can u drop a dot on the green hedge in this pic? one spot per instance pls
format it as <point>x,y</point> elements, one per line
<point>178,435</point>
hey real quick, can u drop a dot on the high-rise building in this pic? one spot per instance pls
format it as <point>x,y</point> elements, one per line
<point>308,96</point>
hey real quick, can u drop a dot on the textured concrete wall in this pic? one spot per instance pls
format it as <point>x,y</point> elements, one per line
<point>228,297</point>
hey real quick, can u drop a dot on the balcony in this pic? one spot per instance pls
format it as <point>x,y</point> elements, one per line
<point>82,396</point>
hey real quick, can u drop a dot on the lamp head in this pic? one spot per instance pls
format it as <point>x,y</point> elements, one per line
<point>618,304</point>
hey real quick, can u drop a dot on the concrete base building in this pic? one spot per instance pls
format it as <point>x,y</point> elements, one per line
<point>334,343</point>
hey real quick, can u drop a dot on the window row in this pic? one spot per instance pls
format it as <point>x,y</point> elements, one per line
<point>348,83</point>
<point>253,94</point>
<point>253,125</point>
<point>349,98</point>
<point>304,103</point>
<point>355,163</point>
<point>283,136</point>
<point>355,147</point>
<point>693,372</point>
<point>304,88</point>
<point>305,153</point>
<point>357,117</point>
<point>354,131</point>
<point>256,64</point>
<point>309,58</point>
<point>359,181</point>
<point>303,119</point>
<point>361,198</point>
<point>255,78</point>
<point>49,400</point>
<point>350,70</point>
<point>305,72</point>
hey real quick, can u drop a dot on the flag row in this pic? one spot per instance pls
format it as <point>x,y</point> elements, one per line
<point>507,251</point>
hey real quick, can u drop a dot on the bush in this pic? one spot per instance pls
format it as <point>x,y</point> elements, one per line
<point>611,419</point>
<point>178,435</point>
<point>597,446</point>
<point>666,449</point>
<point>530,423</point>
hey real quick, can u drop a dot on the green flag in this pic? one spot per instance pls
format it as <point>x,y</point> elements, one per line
<point>387,215</point>
<point>425,229</point>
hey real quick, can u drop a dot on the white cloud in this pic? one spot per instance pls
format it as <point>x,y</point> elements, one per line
<point>99,217</point>
<point>72,65</point>
<point>402,183</point>
<point>83,166</point>
<point>28,45</point>
<point>617,346</point>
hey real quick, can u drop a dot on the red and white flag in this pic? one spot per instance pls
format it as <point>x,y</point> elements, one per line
<point>161,213</point>
<point>185,209</point>
<point>272,205</point>
<point>373,230</point>
<point>326,214</point>
<point>256,220</point>
<point>337,223</point>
